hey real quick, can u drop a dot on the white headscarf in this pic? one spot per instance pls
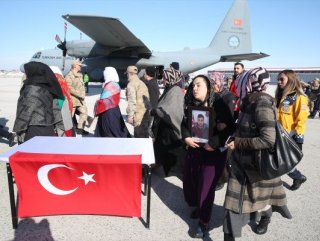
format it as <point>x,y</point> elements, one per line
<point>110,74</point>
<point>56,70</point>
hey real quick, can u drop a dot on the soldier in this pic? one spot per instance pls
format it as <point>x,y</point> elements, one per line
<point>77,90</point>
<point>138,103</point>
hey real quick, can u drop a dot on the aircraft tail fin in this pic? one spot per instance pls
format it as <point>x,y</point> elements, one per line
<point>233,36</point>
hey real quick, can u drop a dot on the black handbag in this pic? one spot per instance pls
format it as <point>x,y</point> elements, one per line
<point>280,159</point>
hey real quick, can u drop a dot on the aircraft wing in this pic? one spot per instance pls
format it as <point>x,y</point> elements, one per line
<point>239,57</point>
<point>109,32</point>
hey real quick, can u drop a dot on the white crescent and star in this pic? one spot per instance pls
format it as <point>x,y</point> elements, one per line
<point>45,182</point>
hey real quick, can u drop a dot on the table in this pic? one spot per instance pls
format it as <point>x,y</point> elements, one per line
<point>85,146</point>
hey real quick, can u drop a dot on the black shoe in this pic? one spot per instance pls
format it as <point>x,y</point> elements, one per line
<point>201,231</point>
<point>227,237</point>
<point>195,214</point>
<point>311,116</point>
<point>297,183</point>
<point>262,227</point>
<point>219,186</point>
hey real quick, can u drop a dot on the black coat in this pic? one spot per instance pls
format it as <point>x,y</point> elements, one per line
<point>154,92</point>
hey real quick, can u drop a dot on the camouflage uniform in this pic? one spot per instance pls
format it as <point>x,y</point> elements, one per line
<point>77,91</point>
<point>138,103</point>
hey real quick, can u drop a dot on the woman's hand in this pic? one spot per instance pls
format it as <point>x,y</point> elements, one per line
<point>230,145</point>
<point>190,142</point>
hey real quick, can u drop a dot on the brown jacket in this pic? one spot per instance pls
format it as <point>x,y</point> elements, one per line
<point>76,87</point>
<point>138,100</point>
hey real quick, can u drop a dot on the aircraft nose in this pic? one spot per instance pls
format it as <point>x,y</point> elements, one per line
<point>22,68</point>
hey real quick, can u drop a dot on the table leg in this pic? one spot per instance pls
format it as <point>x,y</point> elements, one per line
<point>145,178</point>
<point>148,195</point>
<point>12,199</point>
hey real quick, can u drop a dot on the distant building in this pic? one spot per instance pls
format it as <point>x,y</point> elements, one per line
<point>305,74</point>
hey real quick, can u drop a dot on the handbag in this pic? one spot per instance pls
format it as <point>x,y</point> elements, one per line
<point>282,158</point>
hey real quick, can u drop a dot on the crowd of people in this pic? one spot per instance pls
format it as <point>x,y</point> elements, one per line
<point>237,107</point>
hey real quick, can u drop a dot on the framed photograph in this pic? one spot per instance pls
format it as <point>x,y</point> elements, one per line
<point>200,123</point>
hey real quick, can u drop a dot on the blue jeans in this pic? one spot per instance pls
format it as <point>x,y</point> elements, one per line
<point>295,174</point>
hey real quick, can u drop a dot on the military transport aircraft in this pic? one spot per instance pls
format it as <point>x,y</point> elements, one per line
<point>114,45</point>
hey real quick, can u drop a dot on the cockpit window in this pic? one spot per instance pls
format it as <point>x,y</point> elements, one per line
<point>37,55</point>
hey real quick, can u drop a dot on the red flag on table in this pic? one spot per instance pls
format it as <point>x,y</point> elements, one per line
<point>51,184</point>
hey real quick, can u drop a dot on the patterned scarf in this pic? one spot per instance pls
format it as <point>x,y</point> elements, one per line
<point>254,80</point>
<point>218,79</point>
<point>109,98</point>
<point>258,80</point>
<point>171,77</point>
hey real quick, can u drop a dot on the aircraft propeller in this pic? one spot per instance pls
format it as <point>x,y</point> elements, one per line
<point>62,45</point>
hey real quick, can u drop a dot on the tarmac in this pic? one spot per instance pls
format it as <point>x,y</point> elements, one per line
<point>169,212</point>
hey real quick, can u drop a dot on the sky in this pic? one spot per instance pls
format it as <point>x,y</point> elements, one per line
<point>287,30</point>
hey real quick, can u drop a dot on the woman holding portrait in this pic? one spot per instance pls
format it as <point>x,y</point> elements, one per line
<point>204,162</point>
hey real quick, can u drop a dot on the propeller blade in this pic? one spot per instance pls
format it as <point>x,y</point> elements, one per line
<point>57,38</point>
<point>63,45</point>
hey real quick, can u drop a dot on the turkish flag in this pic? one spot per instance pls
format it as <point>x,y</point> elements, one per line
<point>52,184</point>
<point>237,22</point>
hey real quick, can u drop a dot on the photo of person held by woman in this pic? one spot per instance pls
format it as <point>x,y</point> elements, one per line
<point>36,115</point>
<point>200,129</point>
<point>204,163</point>
<point>248,195</point>
<point>293,112</point>
<point>110,121</point>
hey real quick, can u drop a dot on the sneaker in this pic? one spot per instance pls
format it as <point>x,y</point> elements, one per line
<point>297,183</point>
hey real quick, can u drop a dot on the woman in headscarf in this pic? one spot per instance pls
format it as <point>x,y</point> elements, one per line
<point>35,109</point>
<point>247,193</point>
<point>65,128</point>
<point>205,162</point>
<point>166,127</point>
<point>225,100</point>
<point>110,121</point>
